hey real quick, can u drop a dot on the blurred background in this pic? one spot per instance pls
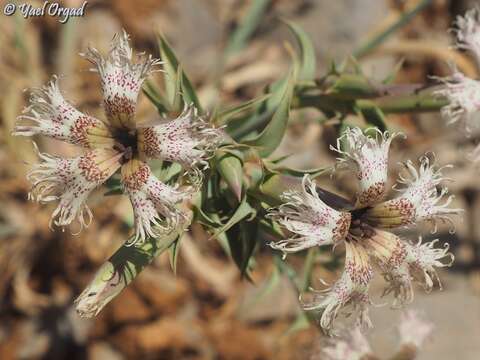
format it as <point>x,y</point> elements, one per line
<point>206,311</point>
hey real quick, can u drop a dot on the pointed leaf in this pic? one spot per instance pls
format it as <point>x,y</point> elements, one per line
<point>239,128</point>
<point>391,78</point>
<point>269,139</point>
<point>189,94</point>
<point>375,117</point>
<point>154,96</point>
<point>231,170</point>
<point>248,25</point>
<point>173,252</point>
<point>170,66</point>
<point>224,116</point>
<point>244,210</point>
<point>242,240</point>
<point>307,52</point>
<point>178,104</point>
<point>278,168</point>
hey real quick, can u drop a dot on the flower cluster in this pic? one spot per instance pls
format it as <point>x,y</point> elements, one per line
<point>120,141</point>
<point>364,230</point>
<point>463,93</point>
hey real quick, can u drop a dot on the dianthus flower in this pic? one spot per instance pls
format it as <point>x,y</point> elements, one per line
<point>363,228</point>
<point>462,92</point>
<point>120,141</point>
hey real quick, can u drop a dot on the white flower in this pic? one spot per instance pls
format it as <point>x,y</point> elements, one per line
<point>114,143</point>
<point>312,222</point>
<point>353,345</point>
<point>369,157</point>
<point>350,289</point>
<point>424,258</point>
<point>468,32</point>
<point>153,201</point>
<point>463,95</point>
<point>51,115</point>
<point>413,329</point>
<point>122,79</point>
<point>419,201</point>
<point>188,140</point>
<point>71,181</point>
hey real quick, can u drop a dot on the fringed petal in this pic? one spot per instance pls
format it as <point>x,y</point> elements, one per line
<point>312,222</point>
<point>419,201</point>
<point>71,181</point>
<point>51,115</point>
<point>188,140</point>
<point>468,32</point>
<point>121,78</point>
<point>463,95</point>
<point>369,158</point>
<point>350,289</point>
<point>424,258</point>
<point>153,202</point>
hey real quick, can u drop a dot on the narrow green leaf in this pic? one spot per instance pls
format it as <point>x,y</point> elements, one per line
<point>204,219</point>
<point>172,77</point>
<point>269,139</point>
<point>308,60</point>
<point>375,117</point>
<point>154,96</point>
<point>170,65</point>
<point>224,116</point>
<point>121,269</point>
<point>189,94</point>
<point>242,239</point>
<point>178,104</point>
<point>243,126</point>
<point>278,168</point>
<point>247,27</point>
<point>378,39</point>
<point>231,170</point>
<point>391,77</point>
<point>173,252</point>
<point>244,210</point>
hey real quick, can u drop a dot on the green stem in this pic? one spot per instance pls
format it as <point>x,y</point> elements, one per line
<point>121,269</point>
<point>405,104</point>
<point>388,104</point>
<point>380,38</point>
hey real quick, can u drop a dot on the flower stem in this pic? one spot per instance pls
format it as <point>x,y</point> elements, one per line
<point>388,105</point>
